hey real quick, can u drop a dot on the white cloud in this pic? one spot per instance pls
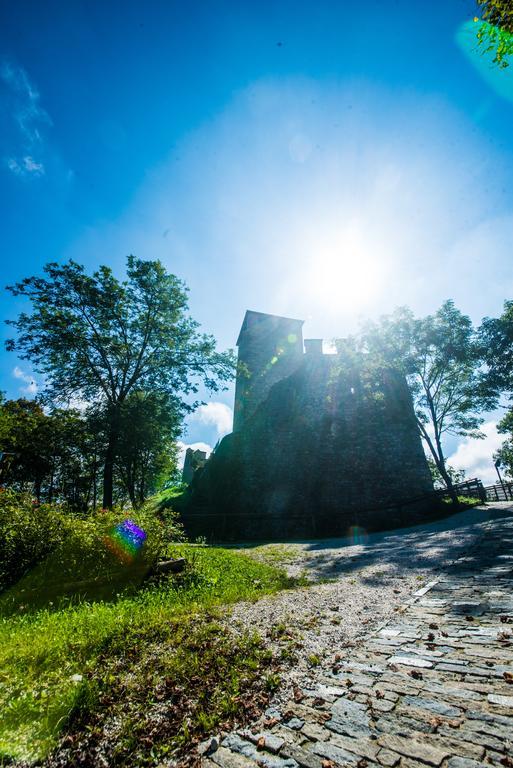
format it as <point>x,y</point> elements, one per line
<point>30,388</point>
<point>21,100</point>
<point>182,448</point>
<point>25,166</point>
<point>217,415</point>
<point>476,456</point>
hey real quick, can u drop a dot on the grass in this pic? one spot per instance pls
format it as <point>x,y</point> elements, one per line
<point>276,554</point>
<point>71,666</point>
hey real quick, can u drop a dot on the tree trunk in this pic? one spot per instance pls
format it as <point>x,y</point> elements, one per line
<point>439,459</point>
<point>110,457</point>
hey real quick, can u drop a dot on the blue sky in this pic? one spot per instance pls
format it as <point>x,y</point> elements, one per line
<point>318,160</point>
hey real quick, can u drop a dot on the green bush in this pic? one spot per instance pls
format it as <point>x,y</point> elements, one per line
<point>28,533</point>
<point>47,552</point>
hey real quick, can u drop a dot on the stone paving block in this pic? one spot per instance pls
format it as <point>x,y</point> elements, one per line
<point>271,742</point>
<point>501,701</point>
<point>437,707</point>
<point>331,752</point>
<point>304,758</point>
<point>245,748</point>
<point>456,746</point>
<point>418,750</point>
<point>314,732</point>
<point>363,747</point>
<point>390,759</point>
<point>226,759</point>
<point>410,661</point>
<point>463,762</point>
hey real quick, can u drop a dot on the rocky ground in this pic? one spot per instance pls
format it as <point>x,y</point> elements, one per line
<point>357,586</point>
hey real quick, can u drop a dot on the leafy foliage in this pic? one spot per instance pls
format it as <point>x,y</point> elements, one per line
<point>495,33</point>
<point>28,533</point>
<point>100,340</point>
<point>55,551</point>
<point>496,335</point>
<point>456,475</point>
<point>440,357</point>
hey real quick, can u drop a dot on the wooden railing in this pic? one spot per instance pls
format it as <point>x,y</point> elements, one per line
<point>499,492</point>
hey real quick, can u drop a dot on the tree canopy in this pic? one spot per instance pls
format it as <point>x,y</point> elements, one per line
<point>496,335</point>
<point>495,33</point>
<point>97,339</point>
<point>439,355</point>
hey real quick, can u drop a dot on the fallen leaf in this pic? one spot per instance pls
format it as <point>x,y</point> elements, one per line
<point>416,674</point>
<point>508,677</point>
<point>436,721</point>
<point>433,626</point>
<point>298,695</point>
<point>379,694</point>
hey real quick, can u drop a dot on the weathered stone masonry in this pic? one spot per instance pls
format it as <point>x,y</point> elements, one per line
<point>318,444</point>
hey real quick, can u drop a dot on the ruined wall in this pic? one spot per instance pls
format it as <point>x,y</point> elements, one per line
<point>327,446</point>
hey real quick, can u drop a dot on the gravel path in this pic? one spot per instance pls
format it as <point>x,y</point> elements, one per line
<point>368,581</point>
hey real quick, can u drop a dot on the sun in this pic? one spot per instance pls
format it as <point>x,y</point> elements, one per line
<point>344,273</point>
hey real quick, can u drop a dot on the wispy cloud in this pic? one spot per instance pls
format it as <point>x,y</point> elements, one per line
<point>29,387</point>
<point>27,165</point>
<point>22,105</point>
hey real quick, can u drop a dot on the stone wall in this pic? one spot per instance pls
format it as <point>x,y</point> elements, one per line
<point>270,349</point>
<point>329,446</point>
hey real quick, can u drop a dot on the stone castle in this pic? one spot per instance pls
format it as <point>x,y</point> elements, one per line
<point>320,442</point>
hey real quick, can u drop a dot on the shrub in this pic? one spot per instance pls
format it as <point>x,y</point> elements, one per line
<point>28,533</point>
<point>54,552</point>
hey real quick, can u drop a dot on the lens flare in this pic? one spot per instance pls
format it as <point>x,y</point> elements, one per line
<point>125,540</point>
<point>358,535</point>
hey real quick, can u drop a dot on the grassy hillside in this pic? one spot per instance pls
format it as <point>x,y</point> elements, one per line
<point>98,674</point>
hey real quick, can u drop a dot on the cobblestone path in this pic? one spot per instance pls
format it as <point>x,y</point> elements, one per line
<point>435,687</point>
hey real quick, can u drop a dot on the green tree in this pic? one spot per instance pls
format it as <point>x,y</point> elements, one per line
<point>26,445</point>
<point>439,356</point>
<point>496,338</point>
<point>147,450</point>
<point>495,32</point>
<point>100,339</point>
<point>456,475</point>
<point>496,335</point>
<point>46,453</point>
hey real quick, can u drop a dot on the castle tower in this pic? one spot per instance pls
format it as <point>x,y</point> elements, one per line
<point>270,349</point>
